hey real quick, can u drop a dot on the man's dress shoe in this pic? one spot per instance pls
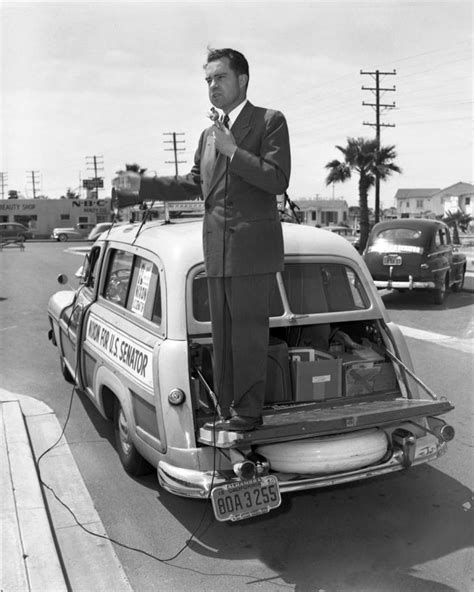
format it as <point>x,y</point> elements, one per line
<point>239,423</point>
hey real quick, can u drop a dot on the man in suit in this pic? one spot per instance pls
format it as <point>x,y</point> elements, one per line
<point>241,164</point>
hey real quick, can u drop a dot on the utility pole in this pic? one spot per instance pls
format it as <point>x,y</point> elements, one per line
<point>377,106</point>
<point>3,183</point>
<point>34,181</point>
<point>175,149</point>
<point>95,163</point>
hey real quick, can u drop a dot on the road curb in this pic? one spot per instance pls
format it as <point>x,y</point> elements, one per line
<point>88,562</point>
<point>33,563</point>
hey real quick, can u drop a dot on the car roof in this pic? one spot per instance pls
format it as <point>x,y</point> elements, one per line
<point>179,244</point>
<point>420,223</point>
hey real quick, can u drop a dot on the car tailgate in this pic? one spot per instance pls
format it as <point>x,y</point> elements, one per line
<point>393,264</point>
<point>314,420</point>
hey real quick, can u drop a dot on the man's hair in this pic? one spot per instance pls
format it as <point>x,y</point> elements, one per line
<point>237,61</point>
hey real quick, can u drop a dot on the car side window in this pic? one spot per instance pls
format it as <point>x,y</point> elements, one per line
<point>118,276</point>
<point>91,267</point>
<point>144,297</point>
<point>133,282</point>
<point>440,238</point>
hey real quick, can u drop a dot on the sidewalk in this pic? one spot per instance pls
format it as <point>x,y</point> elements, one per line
<point>43,548</point>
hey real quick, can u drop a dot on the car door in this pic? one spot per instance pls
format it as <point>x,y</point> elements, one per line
<point>71,319</point>
<point>123,331</point>
<point>441,257</point>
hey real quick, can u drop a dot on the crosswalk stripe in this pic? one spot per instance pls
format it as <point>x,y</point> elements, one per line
<point>463,345</point>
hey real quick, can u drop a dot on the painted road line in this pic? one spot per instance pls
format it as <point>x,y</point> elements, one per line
<point>463,345</point>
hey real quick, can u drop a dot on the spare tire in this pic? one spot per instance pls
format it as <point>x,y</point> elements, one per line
<point>327,454</point>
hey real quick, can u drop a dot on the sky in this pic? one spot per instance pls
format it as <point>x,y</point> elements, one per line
<point>113,79</point>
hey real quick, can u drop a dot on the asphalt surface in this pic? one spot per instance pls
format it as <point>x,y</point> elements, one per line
<point>50,550</point>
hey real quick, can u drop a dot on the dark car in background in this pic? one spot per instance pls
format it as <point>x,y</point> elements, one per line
<point>414,253</point>
<point>13,231</point>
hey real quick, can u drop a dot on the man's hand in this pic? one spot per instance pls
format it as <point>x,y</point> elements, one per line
<point>224,141</point>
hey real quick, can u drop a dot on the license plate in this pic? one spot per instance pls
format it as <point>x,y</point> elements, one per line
<point>243,499</point>
<point>392,260</point>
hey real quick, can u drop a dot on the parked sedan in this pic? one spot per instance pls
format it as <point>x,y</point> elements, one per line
<point>79,232</point>
<point>411,253</point>
<point>13,231</point>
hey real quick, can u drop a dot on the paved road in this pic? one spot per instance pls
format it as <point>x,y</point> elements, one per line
<point>410,531</point>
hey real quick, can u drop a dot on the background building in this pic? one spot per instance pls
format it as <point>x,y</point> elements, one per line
<point>423,203</point>
<point>323,212</point>
<point>42,215</point>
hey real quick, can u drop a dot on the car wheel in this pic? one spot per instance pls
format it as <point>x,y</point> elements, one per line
<point>62,237</point>
<point>440,293</point>
<point>132,461</point>
<point>65,372</point>
<point>458,286</point>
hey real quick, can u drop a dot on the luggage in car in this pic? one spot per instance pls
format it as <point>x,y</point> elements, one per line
<point>278,387</point>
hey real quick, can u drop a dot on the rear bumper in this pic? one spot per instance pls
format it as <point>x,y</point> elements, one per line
<point>409,284</point>
<point>198,484</point>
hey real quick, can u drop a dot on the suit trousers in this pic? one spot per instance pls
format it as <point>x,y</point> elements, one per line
<point>240,308</point>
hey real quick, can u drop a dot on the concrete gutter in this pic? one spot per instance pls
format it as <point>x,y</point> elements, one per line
<point>47,550</point>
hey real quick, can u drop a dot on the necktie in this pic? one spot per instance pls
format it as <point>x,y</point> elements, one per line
<point>226,120</point>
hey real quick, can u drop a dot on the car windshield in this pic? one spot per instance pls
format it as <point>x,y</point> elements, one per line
<point>309,288</point>
<point>399,239</point>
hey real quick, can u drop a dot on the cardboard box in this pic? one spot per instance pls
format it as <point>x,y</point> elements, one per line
<point>317,380</point>
<point>362,378</point>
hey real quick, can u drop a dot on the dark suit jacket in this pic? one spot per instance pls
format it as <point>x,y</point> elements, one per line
<point>242,231</point>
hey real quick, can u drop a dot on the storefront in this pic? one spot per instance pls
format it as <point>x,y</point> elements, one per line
<point>42,215</point>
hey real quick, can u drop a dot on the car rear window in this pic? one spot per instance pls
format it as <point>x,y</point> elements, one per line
<point>309,288</point>
<point>314,288</point>
<point>402,240</point>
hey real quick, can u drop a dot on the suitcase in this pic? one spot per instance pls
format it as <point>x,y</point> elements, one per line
<point>278,382</point>
<point>278,386</point>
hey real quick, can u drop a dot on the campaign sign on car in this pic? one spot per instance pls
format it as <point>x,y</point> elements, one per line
<point>243,499</point>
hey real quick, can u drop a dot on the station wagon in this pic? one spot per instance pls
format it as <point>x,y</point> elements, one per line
<point>342,400</point>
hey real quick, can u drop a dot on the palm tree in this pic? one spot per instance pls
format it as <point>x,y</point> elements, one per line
<point>363,156</point>
<point>457,220</point>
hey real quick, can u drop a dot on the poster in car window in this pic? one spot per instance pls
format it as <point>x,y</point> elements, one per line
<point>142,286</point>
